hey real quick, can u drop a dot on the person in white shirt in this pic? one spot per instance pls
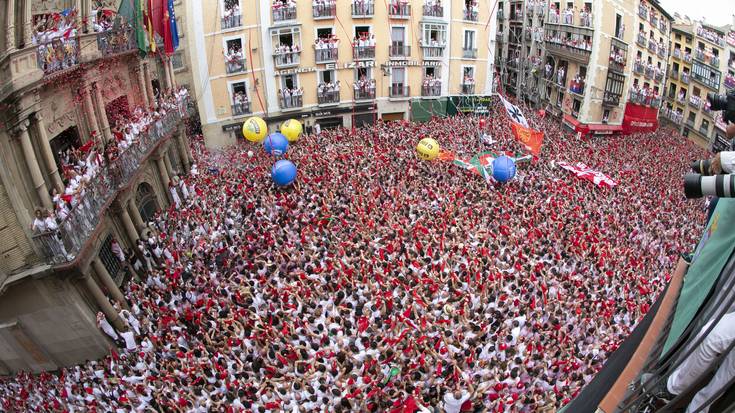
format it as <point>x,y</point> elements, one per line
<point>453,401</point>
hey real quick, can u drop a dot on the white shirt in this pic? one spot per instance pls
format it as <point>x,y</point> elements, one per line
<point>452,405</point>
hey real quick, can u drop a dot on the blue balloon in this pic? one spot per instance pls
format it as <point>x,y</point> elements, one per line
<point>504,169</point>
<point>283,172</point>
<point>275,144</point>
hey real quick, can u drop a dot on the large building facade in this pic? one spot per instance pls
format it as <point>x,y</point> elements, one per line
<point>339,63</point>
<point>68,94</point>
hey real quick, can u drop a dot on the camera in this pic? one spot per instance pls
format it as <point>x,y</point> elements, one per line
<point>697,186</point>
<point>724,103</point>
<point>701,166</point>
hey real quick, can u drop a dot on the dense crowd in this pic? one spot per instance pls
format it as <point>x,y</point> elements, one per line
<point>378,282</point>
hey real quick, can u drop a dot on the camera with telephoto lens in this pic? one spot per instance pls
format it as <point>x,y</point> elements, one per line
<point>701,166</point>
<point>697,186</point>
<point>725,103</point>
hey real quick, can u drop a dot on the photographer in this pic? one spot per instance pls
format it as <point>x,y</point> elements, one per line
<point>722,162</point>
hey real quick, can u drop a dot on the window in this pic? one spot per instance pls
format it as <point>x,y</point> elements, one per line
<point>361,31</point>
<point>178,61</point>
<point>109,259</point>
<point>692,117</point>
<point>398,77</point>
<point>324,33</point>
<point>327,76</point>
<point>605,115</point>
<point>363,73</point>
<point>468,72</point>
<point>434,34</point>
<point>618,26</point>
<point>398,35</point>
<point>469,39</point>
<point>289,82</point>
<point>287,36</point>
<point>614,87</point>
<point>575,107</point>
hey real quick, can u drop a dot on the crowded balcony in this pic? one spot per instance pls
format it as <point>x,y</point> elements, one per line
<point>652,45</point>
<point>710,36</point>
<point>687,57</point>
<point>714,61</point>
<point>658,76</point>
<point>644,97</point>
<point>729,81</point>
<point>643,11</point>
<point>433,10</point>
<point>649,73</point>
<point>287,56</point>
<point>58,54</point>
<point>674,74</point>
<point>585,19</point>
<point>681,98</point>
<point>576,86</point>
<point>661,50</point>
<point>433,50</point>
<point>283,11</point>
<point>638,67</point>
<point>468,86</point>
<point>676,53</point>
<point>324,9</point>
<point>107,175</point>
<point>116,41</point>
<point>684,77</point>
<point>363,8</point>
<point>398,50</point>
<point>290,98</point>
<point>231,21</point>
<point>672,115</point>
<point>699,54</point>
<point>469,15</point>
<point>641,39</point>
<point>516,15</point>
<point>431,87</point>
<point>363,53</point>
<point>327,94</point>
<point>695,101</point>
<point>326,52</point>
<point>569,42</point>
<point>399,10</point>
<point>240,106</point>
<point>364,89</point>
<point>618,55</point>
<point>234,63</point>
<point>469,53</point>
<point>399,90</point>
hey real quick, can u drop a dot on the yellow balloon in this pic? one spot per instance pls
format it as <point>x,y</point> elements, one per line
<point>254,129</point>
<point>291,129</point>
<point>428,149</point>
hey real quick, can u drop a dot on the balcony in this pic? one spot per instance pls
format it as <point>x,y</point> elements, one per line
<point>687,57</point>
<point>435,10</point>
<point>363,9</point>
<point>432,90</point>
<point>571,47</point>
<point>618,55</point>
<point>117,41</point>
<point>324,11</point>
<point>643,12</point>
<point>234,65</point>
<point>469,15</point>
<point>554,18</point>
<point>540,10</point>
<point>365,93</point>
<point>230,22</point>
<point>648,73</point>
<point>672,115</point>
<point>654,20</point>
<point>58,54</point>
<point>714,61</point>
<point>611,99</point>
<point>641,39</point>
<point>585,19</point>
<point>707,110</point>
<point>468,88</point>
<point>661,51</point>
<point>685,77</point>
<point>330,97</point>
<point>652,46</point>
<point>433,51</point>
<point>240,109</point>
<point>399,90</point>
<point>577,88</point>
<point>326,55</point>
<point>640,98</point>
<point>363,53</point>
<point>287,102</point>
<point>658,77</point>
<point>399,51</point>
<point>287,59</point>
<point>662,27</point>
<point>674,74</point>
<point>699,54</point>
<point>681,99</point>
<point>729,81</point>
<point>63,245</point>
<point>283,13</point>
<point>677,54</point>
<point>516,16</point>
<point>469,53</point>
<point>695,101</point>
<point>399,11</point>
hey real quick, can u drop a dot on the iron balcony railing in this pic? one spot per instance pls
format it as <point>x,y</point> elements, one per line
<point>643,12</point>
<point>363,53</point>
<point>242,108</point>
<point>685,77</point>
<point>399,50</point>
<point>641,39</point>
<point>230,22</point>
<point>648,73</point>
<point>328,97</point>
<point>468,88</point>
<point>699,54</point>
<point>234,65</point>
<point>64,244</point>
<point>585,20</point>
<point>366,93</point>
<point>661,51</point>
<point>652,46</point>
<point>500,15</point>
<point>399,11</point>
<point>287,59</point>
<point>695,101</point>
<point>433,51</point>
<point>116,41</point>
<point>654,20</point>
<point>658,77</point>
<point>470,15</point>
<point>58,54</point>
<point>681,99</point>
<point>326,55</point>
<point>283,13</point>
<point>676,53</point>
<point>434,10</point>
<point>469,53</point>
<point>431,90</point>
<point>399,90</point>
<point>290,101</point>
<point>324,11</point>
<point>363,8</point>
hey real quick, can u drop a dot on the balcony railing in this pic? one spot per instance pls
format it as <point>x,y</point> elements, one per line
<point>685,77</point>
<point>674,74</point>
<point>287,59</point>
<point>290,101</point>
<point>661,51</point>
<point>284,13</point>
<point>363,53</point>
<point>699,54</point>
<point>326,55</point>
<point>399,11</point>
<point>554,18</point>
<point>638,67</point>
<point>230,22</point>
<point>324,11</point>
<point>433,51</point>
<point>577,89</point>
<point>363,8</point>
<point>434,89</point>
<point>643,12</point>
<point>469,15</point>
<point>399,50</point>
<point>64,244</point>
<point>729,81</point>
<point>58,54</point>
<point>399,90</point>
<point>658,77</point>
<point>707,110</point>
<point>234,65</point>
<point>652,46</point>
<point>676,53</point>
<point>648,73</point>
<point>328,97</point>
<point>365,93</point>
<point>434,10</point>
<point>663,27</point>
<point>116,41</point>
<point>654,20</point>
<point>500,15</point>
<point>689,123</point>
<point>469,53</point>
<point>642,99</point>
<point>695,101</point>
<point>468,88</point>
<point>688,57</point>
<point>585,20</point>
<point>682,99</point>
<point>641,39</point>
<point>242,108</point>
<point>558,46</point>
<point>672,115</point>
<point>714,61</point>
<point>611,99</point>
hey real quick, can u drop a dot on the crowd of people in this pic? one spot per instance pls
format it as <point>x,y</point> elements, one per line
<point>231,16</point>
<point>291,97</point>
<point>287,54</point>
<point>234,59</point>
<point>328,91</point>
<point>575,41</point>
<point>364,88</point>
<point>326,48</point>
<point>645,94</point>
<point>566,16</point>
<point>379,282</point>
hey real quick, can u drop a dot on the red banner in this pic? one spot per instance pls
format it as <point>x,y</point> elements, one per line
<point>530,138</point>
<point>640,118</point>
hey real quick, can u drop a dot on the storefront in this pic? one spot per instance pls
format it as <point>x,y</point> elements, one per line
<point>640,118</point>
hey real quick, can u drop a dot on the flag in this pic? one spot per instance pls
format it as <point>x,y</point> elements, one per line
<point>514,113</point>
<point>131,12</point>
<point>583,171</point>
<point>156,8</point>
<point>172,22</point>
<point>168,42</point>
<point>150,33</point>
<point>530,138</point>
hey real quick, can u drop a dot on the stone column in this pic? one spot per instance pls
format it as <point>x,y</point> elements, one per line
<point>135,215</point>
<point>89,111</point>
<point>141,86</point>
<point>100,104</point>
<point>167,72</point>
<point>172,72</point>
<point>167,162</point>
<point>183,155</point>
<point>10,26</point>
<point>32,164</point>
<point>149,85</point>
<point>27,22</point>
<point>86,14</point>
<point>128,224</point>
<point>108,282</point>
<point>48,155</point>
<point>164,178</point>
<point>104,304</point>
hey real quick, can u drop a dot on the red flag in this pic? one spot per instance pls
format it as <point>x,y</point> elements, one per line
<point>155,9</point>
<point>168,41</point>
<point>530,138</point>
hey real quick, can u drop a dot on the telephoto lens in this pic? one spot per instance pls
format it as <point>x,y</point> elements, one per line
<point>701,166</point>
<point>697,186</point>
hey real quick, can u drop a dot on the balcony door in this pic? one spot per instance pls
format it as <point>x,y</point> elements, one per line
<point>398,36</point>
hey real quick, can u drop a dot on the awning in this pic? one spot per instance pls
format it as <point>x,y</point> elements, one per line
<point>604,129</point>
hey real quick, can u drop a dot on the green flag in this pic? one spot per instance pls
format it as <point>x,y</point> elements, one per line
<point>131,14</point>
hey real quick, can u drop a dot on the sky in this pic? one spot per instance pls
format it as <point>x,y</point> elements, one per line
<point>715,12</point>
